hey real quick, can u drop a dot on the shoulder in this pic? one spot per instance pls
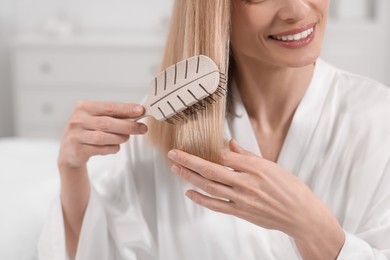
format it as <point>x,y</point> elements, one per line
<point>352,85</point>
<point>356,123</point>
<point>357,111</point>
<point>359,97</point>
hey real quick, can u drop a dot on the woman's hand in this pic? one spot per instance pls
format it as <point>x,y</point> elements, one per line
<point>97,128</point>
<point>259,191</point>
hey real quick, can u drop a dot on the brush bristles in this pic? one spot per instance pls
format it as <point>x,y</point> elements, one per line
<point>201,105</point>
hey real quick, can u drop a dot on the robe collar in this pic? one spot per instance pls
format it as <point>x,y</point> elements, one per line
<point>303,124</point>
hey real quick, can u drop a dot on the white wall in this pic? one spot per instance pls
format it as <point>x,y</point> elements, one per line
<point>357,38</point>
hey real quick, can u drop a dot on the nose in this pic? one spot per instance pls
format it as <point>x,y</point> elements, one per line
<point>293,10</point>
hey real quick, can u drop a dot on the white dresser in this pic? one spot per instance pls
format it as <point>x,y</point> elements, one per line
<point>51,75</point>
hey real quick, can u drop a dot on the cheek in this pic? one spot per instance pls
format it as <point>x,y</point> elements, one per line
<point>248,27</point>
<point>252,18</point>
<point>323,7</point>
<point>325,4</point>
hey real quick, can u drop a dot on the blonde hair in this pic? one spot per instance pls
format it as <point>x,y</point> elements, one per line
<point>197,27</point>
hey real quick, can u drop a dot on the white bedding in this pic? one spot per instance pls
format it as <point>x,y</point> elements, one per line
<point>29,182</point>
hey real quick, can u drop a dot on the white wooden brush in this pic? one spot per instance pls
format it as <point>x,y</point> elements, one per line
<point>183,88</point>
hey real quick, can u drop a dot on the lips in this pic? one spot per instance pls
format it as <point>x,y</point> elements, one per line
<point>295,38</point>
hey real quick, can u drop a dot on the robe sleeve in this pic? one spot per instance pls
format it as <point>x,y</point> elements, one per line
<point>357,248</point>
<point>114,226</point>
<point>367,236</point>
<point>371,239</point>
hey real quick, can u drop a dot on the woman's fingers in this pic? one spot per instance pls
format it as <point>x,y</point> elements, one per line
<point>98,128</point>
<point>213,204</point>
<point>211,187</point>
<point>100,138</point>
<point>112,109</point>
<point>114,125</point>
<point>209,170</point>
<point>244,161</point>
<point>92,150</point>
<point>234,147</point>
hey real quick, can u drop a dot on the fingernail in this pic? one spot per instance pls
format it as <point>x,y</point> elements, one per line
<point>138,109</point>
<point>189,194</point>
<point>175,169</point>
<point>142,129</point>
<point>172,154</point>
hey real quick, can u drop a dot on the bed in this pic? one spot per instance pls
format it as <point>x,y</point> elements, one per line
<point>29,182</point>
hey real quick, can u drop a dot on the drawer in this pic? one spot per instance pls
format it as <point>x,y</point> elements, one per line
<point>48,112</point>
<point>87,67</point>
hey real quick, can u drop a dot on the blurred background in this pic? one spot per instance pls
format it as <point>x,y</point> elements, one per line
<point>54,52</point>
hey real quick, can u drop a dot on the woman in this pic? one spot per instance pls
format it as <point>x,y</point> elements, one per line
<point>309,179</point>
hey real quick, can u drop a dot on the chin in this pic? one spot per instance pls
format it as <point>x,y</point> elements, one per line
<point>298,61</point>
<point>301,63</point>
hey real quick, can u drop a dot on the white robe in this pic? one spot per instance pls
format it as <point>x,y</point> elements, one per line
<point>338,144</point>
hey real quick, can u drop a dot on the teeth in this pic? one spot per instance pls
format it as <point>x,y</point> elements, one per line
<point>295,37</point>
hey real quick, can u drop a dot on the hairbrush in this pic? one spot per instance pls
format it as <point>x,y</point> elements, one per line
<point>183,89</point>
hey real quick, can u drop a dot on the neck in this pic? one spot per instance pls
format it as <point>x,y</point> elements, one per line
<point>271,94</point>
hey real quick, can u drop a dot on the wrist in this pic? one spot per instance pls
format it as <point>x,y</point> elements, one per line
<point>321,240</point>
<point>66,167</point>
<point>74,185</point>
<point>72,176</point>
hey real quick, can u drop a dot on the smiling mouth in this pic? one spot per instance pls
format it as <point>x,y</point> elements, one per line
<point>293,37</point>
